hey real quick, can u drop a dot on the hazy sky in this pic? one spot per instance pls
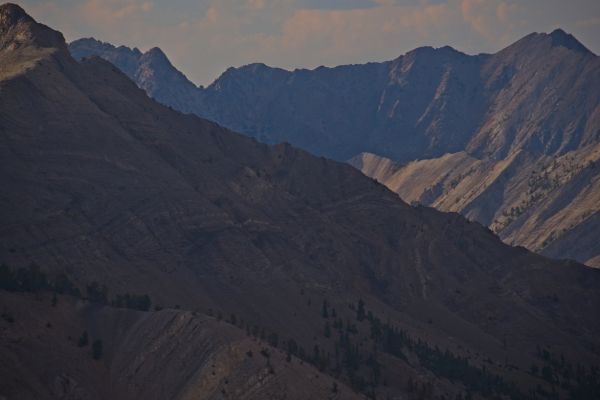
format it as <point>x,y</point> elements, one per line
<point>204,37</point>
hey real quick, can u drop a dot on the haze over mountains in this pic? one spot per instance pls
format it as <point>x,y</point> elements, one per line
<point>511,138</point>
<point>272,273</point>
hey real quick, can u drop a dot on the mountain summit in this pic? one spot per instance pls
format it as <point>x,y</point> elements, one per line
<point>11,14</point>
<point>152,71</point>
<point>18,29</point>
<point>562,38</point>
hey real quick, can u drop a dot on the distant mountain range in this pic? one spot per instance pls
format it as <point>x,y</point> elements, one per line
<point>150,254</point>
<point>512,137</point>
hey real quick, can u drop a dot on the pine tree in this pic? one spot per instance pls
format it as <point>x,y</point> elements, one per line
<point>83,339</point>
<point>324,310</point>
<point>273,339</point>
<point>533,369</point>
<point>360,311</point>
<point>97,349</point>
<point>327,332</point>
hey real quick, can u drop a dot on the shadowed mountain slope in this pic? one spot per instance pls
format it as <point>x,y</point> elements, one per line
<point>106,185</point>
<point>206,358</point>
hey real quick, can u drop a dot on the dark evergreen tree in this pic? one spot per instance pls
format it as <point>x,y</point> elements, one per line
<point>83,339</point>
<point>97,349</point>
<point>96,293</point>
<point>8,280</point>
<point>360,310</point>
<point>292,347</point>
<point>533,370</point>
<point>327,332</point>
<point>325,309</point>
<point>274,339</point>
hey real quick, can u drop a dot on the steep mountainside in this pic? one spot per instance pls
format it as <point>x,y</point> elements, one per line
<point>549,204</point>
<point>209,359</point>
<point>539,94</point>
<point>152,71</point>
<point>523,107</point>
<point>111,196</point>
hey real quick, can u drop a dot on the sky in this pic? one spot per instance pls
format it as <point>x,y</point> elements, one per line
<point>205,37</point>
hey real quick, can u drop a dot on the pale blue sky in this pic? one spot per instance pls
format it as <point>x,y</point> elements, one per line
<point>204,37</point>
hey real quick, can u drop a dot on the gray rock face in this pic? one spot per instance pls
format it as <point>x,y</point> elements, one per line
<point>151,71</point>
<point>123,57</point>
<point>539,94</point>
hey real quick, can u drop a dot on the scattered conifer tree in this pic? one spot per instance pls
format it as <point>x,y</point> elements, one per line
<point>97,349</point>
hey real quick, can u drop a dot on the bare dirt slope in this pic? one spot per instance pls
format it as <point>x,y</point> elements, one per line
<point>548,204</point>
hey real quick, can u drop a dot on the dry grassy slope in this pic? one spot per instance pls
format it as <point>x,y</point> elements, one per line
<point>547,204</point>
<point>107,185</point>
<point>169,354</point>
<point>375,166</point>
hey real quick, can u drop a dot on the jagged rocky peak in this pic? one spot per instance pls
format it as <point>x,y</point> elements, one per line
<point>92,46</point>
<point>150,70</point>
<point>18,29</point>
<point>429,51</point>
<point>562,38</point>
<point>156,57</point>
<point>256,69</point>
<point>91,41</point>
<point>540,42</point>
<point>425,57</point>
<point>123,57</point>
<point>11,15</point>
<point>155,63</point>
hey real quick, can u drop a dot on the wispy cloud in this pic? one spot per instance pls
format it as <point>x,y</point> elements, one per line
<point>204,37</point>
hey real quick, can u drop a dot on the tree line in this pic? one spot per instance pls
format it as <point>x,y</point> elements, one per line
<point>33,279</point>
